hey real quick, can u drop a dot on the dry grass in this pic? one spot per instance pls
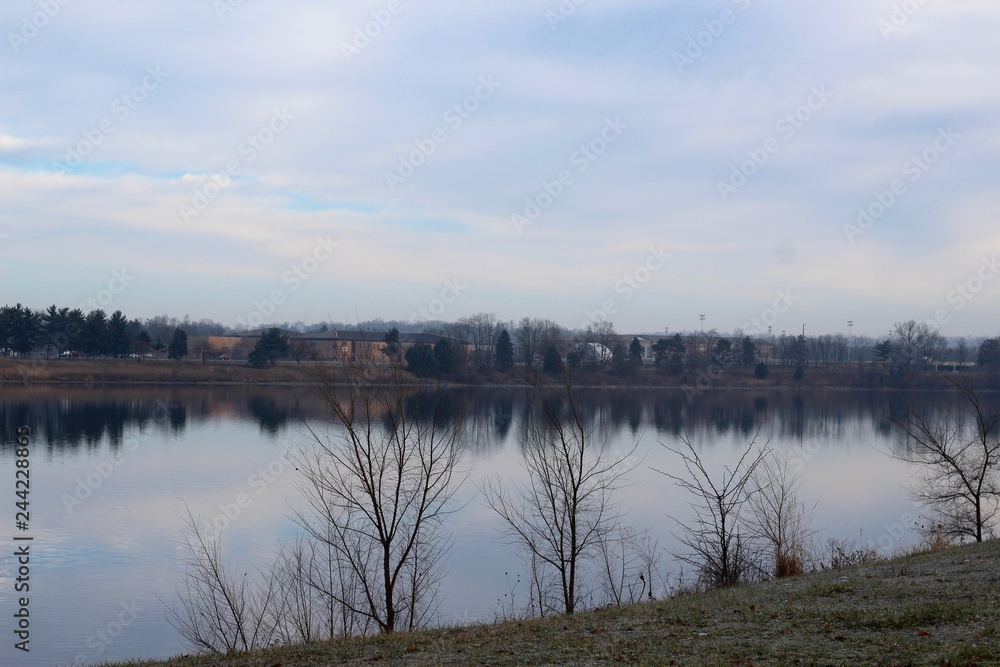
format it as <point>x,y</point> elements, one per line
<point>123,371</point>
<point>939,609</point>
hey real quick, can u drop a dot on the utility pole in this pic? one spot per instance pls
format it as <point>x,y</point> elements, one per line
<point>850,340</point>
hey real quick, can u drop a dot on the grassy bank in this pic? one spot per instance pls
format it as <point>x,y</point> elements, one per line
<point>933,609</point>
<point>124,371</point>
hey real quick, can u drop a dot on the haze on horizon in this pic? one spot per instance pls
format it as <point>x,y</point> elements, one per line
<point>645,161</point>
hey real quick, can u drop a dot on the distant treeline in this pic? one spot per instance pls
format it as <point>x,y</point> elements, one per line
<point>491,343</point>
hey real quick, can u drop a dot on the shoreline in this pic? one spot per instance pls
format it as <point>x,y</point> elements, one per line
<point>930,608</point>
<point>215,373</point>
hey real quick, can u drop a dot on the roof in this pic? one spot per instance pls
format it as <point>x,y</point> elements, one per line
<point>353,335</point>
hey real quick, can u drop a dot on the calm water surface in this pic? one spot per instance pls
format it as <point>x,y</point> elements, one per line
<point>113,469</point>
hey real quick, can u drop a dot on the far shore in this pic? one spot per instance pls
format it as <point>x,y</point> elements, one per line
<point>90,372</point>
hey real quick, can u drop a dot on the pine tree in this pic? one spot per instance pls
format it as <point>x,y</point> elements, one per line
<point>553,362</point>
<point>271,346</point>
<point>178,347</point>
<point>504,352</point>
<point>635,353</point>
<point>444,357</point>
<point>420,360</point>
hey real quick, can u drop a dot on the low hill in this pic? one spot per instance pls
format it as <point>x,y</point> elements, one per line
<point>939,609</point>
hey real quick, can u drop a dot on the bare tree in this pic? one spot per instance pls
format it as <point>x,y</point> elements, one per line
<point>220,610</point>
<point>861,349</point>
<point>628,566</point>
<point>841,348</point>
<point>961,351</point>
<point>566,508</point>
<point>777,517</point>
<point>552,334</point>
<point>596,343</point>
<point>460,330</point>
<point>720,552</point>
<point>310,579</point>
<point>913,343</point>
<point>959,460</point>
<point>378,493</point>
<point>821,348</point>
<point>700,353</point>
<point>298,604</point>
<point>480,331</point>
<point>533,336</point>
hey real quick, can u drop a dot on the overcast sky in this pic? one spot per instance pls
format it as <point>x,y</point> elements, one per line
<point>794,162</point>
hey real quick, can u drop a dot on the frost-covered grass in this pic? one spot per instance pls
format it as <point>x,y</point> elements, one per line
<point>941,608</point>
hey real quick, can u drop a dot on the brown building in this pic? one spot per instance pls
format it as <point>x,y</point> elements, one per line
<point>334,345</point>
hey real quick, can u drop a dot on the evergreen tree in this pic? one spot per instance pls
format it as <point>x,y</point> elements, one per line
<point>27,325</point>
<point>391,340</point>
<point>883,350</point>
<point>660,348</point>
<point>271,346</point>
<point>20,330</point>
<point>420,360</point>
<point>178,347</point>
<point>95,334</point>
<point>723,353</point>
<point>54,322</point>
<point>619,364</point>
<point>445,358</point>
<point>76,326</point>
<point>988,354</point>
<point>504,352</point>
<point>748,354</point>
<point>142,345</point>
<point>118,342</point>
<point>677,350</point>
<point>553,362</point>
<point>635,353</point>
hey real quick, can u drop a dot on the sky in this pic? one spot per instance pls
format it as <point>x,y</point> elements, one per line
<point>781,163</point>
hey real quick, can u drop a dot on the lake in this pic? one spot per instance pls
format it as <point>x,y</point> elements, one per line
<point>113,469</point>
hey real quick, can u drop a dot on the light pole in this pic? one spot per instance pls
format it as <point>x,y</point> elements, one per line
<point>850,343</point>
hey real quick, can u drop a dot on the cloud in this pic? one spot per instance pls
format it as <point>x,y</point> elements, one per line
<point>560,83</point>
